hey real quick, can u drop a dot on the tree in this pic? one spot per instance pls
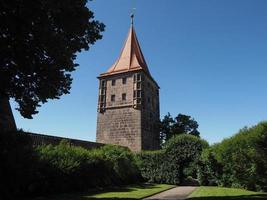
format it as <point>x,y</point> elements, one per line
<point>166,127</point>
<point>180,125</point>
<point>185,124</point>
<point>38,44</point>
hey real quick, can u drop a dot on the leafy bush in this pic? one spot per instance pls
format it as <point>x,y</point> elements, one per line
<point>123,162</point>
<point>208,168</point>
<point>239,161</point>
<point>151,166</point>
<point>169,165</point>
<point>17,164</point>
<point>74,168</point>
<point>25,171</point>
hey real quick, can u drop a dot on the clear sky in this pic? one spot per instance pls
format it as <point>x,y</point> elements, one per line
<point>208,56</point>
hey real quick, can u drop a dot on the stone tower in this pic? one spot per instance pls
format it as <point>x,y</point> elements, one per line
<point>128,104</point>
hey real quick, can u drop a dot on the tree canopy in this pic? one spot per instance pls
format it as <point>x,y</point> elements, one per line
<point>38,44</point>
<point>170,126</point>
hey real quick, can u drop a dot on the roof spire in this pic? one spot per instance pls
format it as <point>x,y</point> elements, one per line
<point>131,57</point>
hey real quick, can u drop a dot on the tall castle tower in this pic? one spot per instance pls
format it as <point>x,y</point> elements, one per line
<point>128,104</point>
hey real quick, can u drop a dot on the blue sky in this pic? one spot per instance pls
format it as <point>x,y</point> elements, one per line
<point>209,58</point>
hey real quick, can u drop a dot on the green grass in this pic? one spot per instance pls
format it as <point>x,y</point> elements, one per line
<point>220,193</point>
<point>129,192</point>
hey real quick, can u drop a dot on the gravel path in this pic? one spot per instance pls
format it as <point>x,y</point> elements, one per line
<point>177,193</point>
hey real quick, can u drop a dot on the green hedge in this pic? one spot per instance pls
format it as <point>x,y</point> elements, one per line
<point>171,163</point>
<point>239,161</point>
<point>17,161</point>
<point>50,169</point>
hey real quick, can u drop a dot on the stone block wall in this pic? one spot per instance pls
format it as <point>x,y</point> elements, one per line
<point>40,139</point>
<point>125,123</point>
<point>120,126</point>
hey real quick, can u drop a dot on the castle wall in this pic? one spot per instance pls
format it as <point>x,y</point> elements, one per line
<point>40,139</point>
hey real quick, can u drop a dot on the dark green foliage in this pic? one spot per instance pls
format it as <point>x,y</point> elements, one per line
<point>38,44</point>
<point>25,171</point>
<point>241,160</point>
<point>182,150</point>
<point>16,164</point>
<point>69,168</point>
<point>169,165</point>
<point>123,162</point>
<point>166,128</point>
<point>182,124</point>
<point>208,168</point>
<point>151,166</point>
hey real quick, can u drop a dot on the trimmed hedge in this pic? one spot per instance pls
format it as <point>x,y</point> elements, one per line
<point>169,165</point>
<point>239,161</point>
<point>50,169</point>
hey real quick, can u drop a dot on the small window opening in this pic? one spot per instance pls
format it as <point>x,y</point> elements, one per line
<point>124,80</point>
<point>123,96</point>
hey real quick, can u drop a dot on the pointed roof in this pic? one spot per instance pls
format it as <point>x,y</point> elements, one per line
<point>131,57</point>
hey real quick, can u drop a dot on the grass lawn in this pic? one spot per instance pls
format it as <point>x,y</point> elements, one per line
<point>129,192</point>
<point>217,193</point>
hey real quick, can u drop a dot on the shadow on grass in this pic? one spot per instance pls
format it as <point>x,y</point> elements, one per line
<point>241,197</point>
<point>87,195</point>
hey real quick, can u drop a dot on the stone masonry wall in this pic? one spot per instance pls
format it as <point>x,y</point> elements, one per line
<point>39,139</point>
<point>120,123</point>
<point>120,126</point>
<point>150,114</point>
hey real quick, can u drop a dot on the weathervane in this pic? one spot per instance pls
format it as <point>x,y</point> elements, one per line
<point>132,15</point>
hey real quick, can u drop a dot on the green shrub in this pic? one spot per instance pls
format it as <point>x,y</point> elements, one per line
<point>171,164</point>
<point>123,162</point>
<point>17,160</point>
<point>74,168</point>
<point>242,158</point>
<point>183,151</point>
<point>151,166</point>
<point>208,168</point>
<point>25,171</point>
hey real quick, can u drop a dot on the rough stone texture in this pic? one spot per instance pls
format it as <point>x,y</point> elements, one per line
<point>125,123</point>
<point>150,114</point>
<point>7,121</point>
<point>39,139</point>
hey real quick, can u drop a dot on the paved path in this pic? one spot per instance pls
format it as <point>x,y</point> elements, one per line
<point>178,193</point>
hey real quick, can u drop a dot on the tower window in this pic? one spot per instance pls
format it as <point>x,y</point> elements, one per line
<point>113,82</point>
<point>138,85</point>
<point>123,96</point>
<point>124,80</point>
<point>113,97</point>
<point>148,99</point>
<point>138,77</point>
<point>103,83</point>
<point>139,94</point>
